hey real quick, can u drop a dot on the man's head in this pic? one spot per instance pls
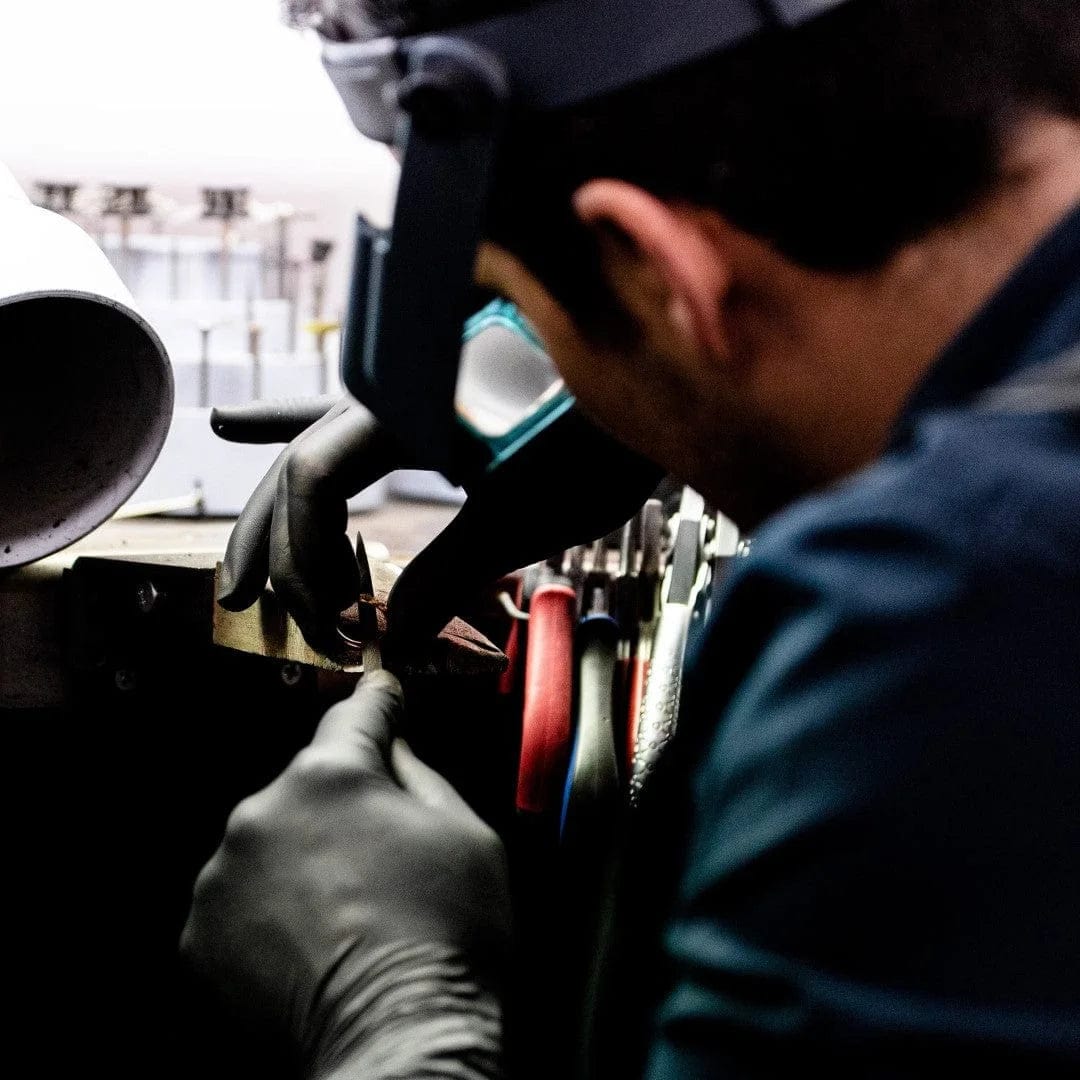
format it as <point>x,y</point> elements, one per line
<point>743,267</point>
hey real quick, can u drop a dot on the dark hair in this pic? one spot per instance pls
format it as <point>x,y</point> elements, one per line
<point>837,142</point>
<point>420,16</point>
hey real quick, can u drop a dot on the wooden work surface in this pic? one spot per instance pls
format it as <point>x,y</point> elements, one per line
<point>403,526</point>
<point>32,660</point>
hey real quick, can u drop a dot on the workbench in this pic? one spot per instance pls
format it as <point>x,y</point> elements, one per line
<point>130,737</point>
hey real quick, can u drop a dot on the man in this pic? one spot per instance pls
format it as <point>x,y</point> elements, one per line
<point>831,279</point>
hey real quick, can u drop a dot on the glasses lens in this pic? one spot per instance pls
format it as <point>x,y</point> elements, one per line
<point>505,376</point>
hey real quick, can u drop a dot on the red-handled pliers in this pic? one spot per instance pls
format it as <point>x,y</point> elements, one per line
<point>547,720</point>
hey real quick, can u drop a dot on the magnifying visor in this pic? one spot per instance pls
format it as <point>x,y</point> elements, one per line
<point>442,101</point>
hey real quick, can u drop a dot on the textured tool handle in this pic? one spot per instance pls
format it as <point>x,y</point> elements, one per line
<point>549,687</point>
<point>592,787</point>
<point>660,705</point>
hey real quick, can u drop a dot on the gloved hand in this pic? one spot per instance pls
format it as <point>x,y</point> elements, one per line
<point>359,904</point>
<point>538,502</point>
<point>293,526</point>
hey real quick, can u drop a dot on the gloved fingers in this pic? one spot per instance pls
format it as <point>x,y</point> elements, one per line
<point>313,568</point>
<point>423,782</point>
<point>245,567</point>
<point>360,729</point>
<point>311,561</point>
<point>281,420</point>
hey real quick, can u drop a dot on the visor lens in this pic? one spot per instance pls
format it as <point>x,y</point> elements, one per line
<point>505,376</point>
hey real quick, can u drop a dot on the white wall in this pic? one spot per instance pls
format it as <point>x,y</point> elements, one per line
<point>180,94</point>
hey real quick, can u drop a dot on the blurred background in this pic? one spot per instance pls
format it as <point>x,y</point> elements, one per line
<point>204,149</point>
<point>171,99</point>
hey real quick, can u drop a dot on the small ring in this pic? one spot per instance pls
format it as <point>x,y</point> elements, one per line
<point>352,642</point>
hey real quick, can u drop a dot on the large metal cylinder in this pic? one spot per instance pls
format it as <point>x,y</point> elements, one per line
<point>86,389</point>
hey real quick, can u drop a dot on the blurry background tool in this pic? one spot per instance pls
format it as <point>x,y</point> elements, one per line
<point>88,391</point>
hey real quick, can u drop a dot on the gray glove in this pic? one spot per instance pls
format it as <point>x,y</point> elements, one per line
<point>358,904</point>
<point>293,526</point>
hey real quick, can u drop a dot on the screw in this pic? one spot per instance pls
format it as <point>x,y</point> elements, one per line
<point>291,673</point>
<point>146,597</point>
<point>124,679</point>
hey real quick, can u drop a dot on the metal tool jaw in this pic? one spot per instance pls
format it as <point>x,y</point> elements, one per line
<point>367,616</point>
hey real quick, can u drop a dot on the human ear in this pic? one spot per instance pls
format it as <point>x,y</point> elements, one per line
<point>660,262</point>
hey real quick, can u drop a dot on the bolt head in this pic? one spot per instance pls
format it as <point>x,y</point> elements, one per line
<point>146,597</point>
<point>291,673</point>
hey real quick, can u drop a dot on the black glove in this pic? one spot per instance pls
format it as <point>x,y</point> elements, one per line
<point>293,526</point>
<point>359,904</point>
<point>539,502</point>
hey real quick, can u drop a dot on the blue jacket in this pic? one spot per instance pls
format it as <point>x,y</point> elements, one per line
<point>881,738</point>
